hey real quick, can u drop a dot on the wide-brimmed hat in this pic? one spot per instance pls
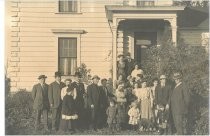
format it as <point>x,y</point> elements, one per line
<point>95,76</point>
<point>162,77</point>
<point>42,76</point>
<point>57,74</point>
<point>177,75</point>
<point>121,55</point>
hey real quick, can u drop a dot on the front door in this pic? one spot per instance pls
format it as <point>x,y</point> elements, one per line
<point>143,41</point>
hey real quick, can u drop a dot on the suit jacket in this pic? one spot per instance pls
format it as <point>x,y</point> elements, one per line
<point>104,96</point>
<point>93,95</point>
<point>40,96</point>
<point>80,91</point>
<point>179,100</point>
<point>162,95</point>
<point>129,66</point>
<point>54,93</point>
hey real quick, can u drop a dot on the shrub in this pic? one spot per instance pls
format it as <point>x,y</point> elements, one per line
<point>18,111</point>
<point>194,64</point>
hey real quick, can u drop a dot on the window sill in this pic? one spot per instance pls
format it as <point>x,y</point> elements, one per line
<point>68,13</point>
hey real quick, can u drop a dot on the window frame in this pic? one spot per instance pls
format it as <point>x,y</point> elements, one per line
<point>59,55</point>
<point>78,8</point>
<point>78,37</point>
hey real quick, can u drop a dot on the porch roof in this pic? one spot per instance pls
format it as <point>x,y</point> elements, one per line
<point>110,9</point>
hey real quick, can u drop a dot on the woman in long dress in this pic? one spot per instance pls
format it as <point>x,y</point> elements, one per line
<point>144,98</point>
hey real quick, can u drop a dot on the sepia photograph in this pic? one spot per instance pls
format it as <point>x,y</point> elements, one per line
<point>106,67</point>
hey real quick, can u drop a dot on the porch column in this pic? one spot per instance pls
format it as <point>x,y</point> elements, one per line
<point>114,54</point>
<point>119,42</point>
<point>173,23</point>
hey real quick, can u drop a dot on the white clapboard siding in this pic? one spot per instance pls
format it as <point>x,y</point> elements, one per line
<point>64,20</point>
<point>45,29</point>
<point>38,69</point>
<point>192,37</point>
<point>37,45</point>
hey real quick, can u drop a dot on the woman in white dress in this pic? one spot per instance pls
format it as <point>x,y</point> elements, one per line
<point>144,98</point>
<point>136,71</point>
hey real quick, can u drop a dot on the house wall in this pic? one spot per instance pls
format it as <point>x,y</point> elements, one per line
<point>192,36</point>
<point>34,47</point>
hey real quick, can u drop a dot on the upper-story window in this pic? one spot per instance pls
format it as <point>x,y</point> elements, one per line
<point>68,6</point>
<point>145,3</point>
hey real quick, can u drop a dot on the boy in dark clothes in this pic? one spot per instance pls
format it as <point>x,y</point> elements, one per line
<point>69,114</point>
<point>162,120</point>
<point>111,116</point>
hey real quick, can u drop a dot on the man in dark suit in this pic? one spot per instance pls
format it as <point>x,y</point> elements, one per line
<point>54,95</point>
<point>104,101</point>
<point>93,94</point>
<point>79,101</point>
<point>41,102</point>
<point>129,65</point>
<point>179,103</point>
<point>162,93</point>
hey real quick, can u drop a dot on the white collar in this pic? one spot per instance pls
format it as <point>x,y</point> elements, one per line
<point>178,84</point>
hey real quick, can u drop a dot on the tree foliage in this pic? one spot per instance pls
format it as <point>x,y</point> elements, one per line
<point>193,62</point>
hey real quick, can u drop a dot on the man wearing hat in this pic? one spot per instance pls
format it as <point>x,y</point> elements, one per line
<point>105,96</point>
<point>93,94</point>
<point>41,102</point>
<point>179,103</point>
<point>54,94</point>
<point>129,65</point>
<point>79,101</point>
<point>162,93</point>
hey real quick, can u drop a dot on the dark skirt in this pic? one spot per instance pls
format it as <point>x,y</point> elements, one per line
<point>66,125</point>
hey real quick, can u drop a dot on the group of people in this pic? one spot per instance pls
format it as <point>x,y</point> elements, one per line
<point>129,104</point>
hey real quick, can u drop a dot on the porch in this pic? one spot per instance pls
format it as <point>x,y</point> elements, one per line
<point>135,28</point>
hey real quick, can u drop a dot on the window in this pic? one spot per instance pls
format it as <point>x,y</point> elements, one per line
<point>68,6</point>
<point>67,55</point>
<point>145,3</point>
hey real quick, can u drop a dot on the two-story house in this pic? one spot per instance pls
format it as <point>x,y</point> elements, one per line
<point>44,36</point>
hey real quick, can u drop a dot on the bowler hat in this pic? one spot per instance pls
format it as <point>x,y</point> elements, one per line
<point>95,76</point>
<point>42,76</point>
<point>57,74</point>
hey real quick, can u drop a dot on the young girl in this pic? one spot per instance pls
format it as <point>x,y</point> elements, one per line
<point>121,107</point>
<point>134,116</point>
<point>111,116</point>
<point>144,98</point>
<point>68,111</point>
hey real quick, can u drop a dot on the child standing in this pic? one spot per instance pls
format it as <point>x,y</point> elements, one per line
<point>68,111</point>
<point>111,116</point>
<point>134,116</point>
<point>162,119</point>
